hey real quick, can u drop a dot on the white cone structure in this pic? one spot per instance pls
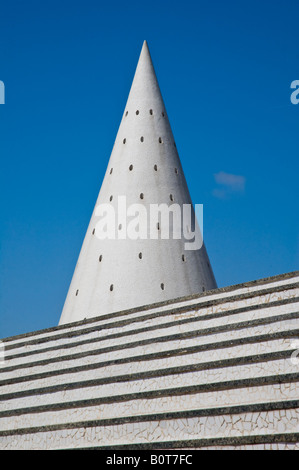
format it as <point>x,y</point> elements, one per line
<point>144,168</point>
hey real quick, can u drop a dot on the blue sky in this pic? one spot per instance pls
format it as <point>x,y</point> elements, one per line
<point>225,71</point>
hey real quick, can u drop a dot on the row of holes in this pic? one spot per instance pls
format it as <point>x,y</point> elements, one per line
<point>140,257</point>
<point>142,140</point>
<point>150,111</point>
<point>141,195</point>
<point>162,285</point>
<point>112,287</point>
<point>155,168</point>
<point>157,225</point>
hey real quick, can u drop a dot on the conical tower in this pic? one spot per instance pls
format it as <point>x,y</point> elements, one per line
<point>130,261</point>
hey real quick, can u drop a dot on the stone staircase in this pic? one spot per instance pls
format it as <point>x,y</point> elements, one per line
<point>217,370</point>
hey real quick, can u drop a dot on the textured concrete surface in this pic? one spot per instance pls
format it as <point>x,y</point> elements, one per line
<point>208,371</point>
<point>145,168</point>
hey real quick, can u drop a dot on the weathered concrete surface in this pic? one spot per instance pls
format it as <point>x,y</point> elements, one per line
<point>215,370</point>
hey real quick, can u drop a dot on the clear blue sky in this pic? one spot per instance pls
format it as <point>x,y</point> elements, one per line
<point>224,68</point>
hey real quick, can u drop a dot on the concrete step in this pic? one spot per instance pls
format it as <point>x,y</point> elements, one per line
<point>208,371</point>
<point>155,327</point>
<point>278,285</point>
<point>271,423</point>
